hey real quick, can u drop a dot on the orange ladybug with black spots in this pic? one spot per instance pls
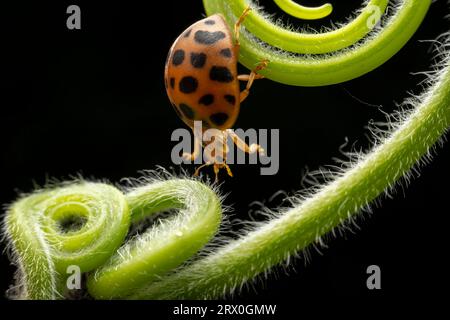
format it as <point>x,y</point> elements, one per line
<point>202,82</point>
<point>201,75</point>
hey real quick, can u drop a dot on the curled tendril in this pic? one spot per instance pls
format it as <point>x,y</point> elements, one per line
<point>44,250</point>
<point>164,247</point>
<point>399,151</point>
<point>318,59</point>
<point>302,12</point>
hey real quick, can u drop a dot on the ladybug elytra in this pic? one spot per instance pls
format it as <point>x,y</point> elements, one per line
<point>203,85</point>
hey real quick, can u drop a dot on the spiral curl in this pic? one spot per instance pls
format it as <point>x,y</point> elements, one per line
<point>44,249</point>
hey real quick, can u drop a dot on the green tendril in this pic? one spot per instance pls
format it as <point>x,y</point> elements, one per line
<point>302,12</point>
<point>166,245</point>
<point>288,232</point>
<point>266,40</point>
<point>44,249</point>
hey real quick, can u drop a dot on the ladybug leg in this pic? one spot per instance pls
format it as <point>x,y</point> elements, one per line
<point>217,168</point>
<point>237,27</point>
<point>218,159</point>
<point>197,171</point>
<point>221,157</point>
<point>227,167</point>
<point>250,78</point>
<point>245,147</point>
<point>197,146</point>
<point>216,172</point>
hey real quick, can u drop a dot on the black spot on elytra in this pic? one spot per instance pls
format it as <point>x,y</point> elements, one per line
<point>187,33</point>
<point>206,37</point>
<point>230,98</point>
<point>178,57</point>
<point>218,118</point>
<point>226,53</point>
<point>187,111</point>
<point>198,60</point>
<point>188,84</point>
<point>207,99</point>
<point>172,83</point>
<point>221,74</point>
<point>210,22</point>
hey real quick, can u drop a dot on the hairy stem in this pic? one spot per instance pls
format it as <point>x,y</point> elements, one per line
<point>44,249</point>
<point>302,12</point>
<point>333,66</point>
<point>166,245</point>
<point>289,232</point>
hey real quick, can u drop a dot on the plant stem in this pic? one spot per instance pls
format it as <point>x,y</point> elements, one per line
<point>288,232</point>
<point>43,250</point>
<point>167,244</point>
<point>302,12</point>
<point>333,66</point>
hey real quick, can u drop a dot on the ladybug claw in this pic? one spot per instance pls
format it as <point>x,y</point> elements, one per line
<point>257,148</point>
<point>228,170</point>
<point>197,171</point>
<point>188,156</point>
<point>217,168</point>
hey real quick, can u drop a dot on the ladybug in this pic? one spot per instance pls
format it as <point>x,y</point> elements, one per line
<point>203,85</point>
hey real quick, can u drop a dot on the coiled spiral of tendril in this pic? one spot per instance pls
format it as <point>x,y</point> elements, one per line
<point>83,224</point>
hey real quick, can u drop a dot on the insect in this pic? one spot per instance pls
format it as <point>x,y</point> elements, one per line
<point>203,85</point>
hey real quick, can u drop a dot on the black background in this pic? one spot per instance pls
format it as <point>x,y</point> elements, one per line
<point>92,102</point>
